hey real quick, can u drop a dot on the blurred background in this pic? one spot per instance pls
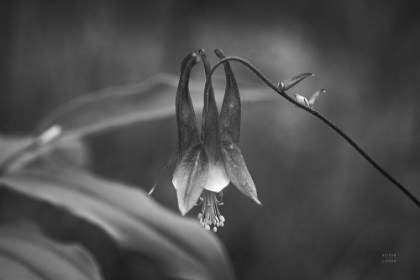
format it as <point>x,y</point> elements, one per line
<point>326,214</point>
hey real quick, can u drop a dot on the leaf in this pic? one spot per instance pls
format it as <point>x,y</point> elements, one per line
<point>117,106</point>
<point>178,245</point>
<point>314,98</point>
<point>292,81</point>
<point>26,254</point>
<point>16,152</point>
<point>11,145</point>
<point>301,100</point>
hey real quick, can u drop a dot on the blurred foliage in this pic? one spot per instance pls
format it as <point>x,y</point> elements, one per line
<point>27,254</point>
<point>135,226</point>
<point>49,169</point>
<point>326,213</point>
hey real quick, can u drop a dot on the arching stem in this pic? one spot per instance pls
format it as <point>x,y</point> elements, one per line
<point>322,118</point>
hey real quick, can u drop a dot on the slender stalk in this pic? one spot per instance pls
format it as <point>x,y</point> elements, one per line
<point>322,118</point>
<point>12,159</point>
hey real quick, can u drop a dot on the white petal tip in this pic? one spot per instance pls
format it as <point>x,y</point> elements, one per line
<point>183,211</point>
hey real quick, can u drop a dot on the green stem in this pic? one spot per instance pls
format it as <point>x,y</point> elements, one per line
<point>322,118</point>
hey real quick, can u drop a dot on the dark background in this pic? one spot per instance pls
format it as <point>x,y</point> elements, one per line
<point>327,214</point>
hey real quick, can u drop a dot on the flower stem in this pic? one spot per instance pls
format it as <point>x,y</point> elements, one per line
<point>322,118</point>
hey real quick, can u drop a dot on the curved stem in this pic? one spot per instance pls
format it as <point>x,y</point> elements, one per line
<point>322,118</point>
<point>15,157</point>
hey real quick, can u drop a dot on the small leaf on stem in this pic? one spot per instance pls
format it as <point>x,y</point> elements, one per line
<point>292,81</point>
<point>314,97</point>
<point>301,100</point>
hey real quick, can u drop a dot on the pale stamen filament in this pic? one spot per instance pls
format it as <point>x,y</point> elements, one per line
<point>210,214</point>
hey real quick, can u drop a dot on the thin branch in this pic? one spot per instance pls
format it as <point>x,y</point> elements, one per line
<point>324,119</point>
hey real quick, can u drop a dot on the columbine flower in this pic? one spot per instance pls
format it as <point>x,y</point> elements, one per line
<point>206,163</point>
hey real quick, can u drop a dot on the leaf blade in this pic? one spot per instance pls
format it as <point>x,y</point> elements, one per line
<point>27,254</point>
<point>314,97</point>
<point>292,81</point>
<point>128,216</point>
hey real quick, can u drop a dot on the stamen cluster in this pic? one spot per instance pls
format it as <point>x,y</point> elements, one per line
<point>210,214</point>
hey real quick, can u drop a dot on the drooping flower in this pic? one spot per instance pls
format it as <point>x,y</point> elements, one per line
<point>206,163</point>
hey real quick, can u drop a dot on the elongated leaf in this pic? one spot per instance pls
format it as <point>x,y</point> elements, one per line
<point>314,97</point>
<point>180,246</point>
<point>117,106</point>
<point>26,254</point>
<point>11,145</point>
<point>292,81</point>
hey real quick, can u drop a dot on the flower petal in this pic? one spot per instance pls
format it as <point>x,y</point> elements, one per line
<point>162,173</point>
<point>237,171</point>
<point>217,178</point>
<point>190,177</point>
<point>230,115</point>
<point>185,116</point>
<point>211,124</point>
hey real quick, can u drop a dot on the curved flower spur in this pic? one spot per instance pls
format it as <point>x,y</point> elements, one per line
<point>207,163</point>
